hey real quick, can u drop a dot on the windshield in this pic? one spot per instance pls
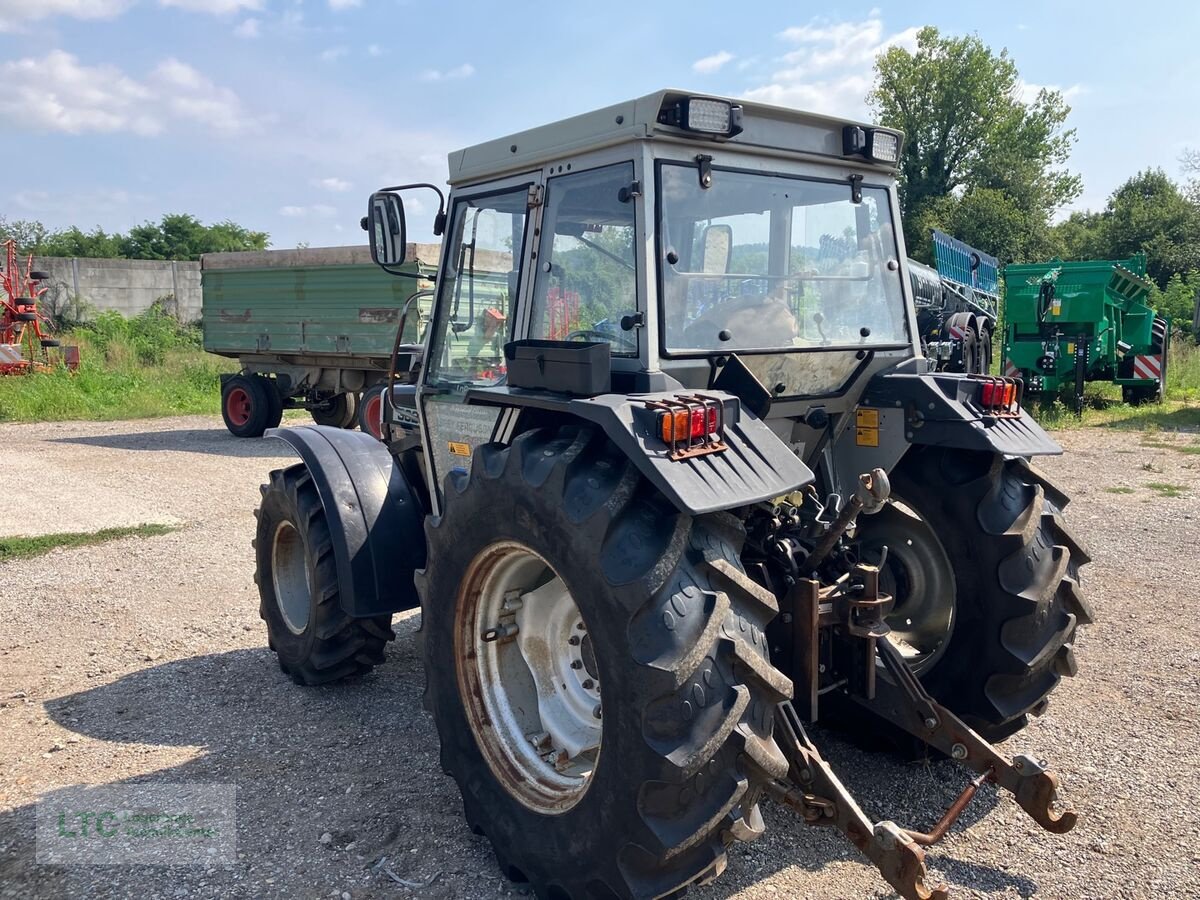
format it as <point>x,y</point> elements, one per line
<point>770,262</point>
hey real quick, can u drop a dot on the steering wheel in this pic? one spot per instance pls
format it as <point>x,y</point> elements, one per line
<point>624,341</point>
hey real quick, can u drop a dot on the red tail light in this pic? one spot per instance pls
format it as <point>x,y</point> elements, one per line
<point>689,424</point>
<point>999,396</point>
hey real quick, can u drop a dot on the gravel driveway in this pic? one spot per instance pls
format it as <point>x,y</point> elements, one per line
<point>143,660</point>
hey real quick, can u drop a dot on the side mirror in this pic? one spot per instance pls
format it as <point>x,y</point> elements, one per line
<point>717,249</point>
<point>385,221</point>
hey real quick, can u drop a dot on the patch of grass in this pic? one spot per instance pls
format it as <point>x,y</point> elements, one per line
<point>1167,490</point>
<point>1180,411</point>
<point>1119,489</point>
<point>24,547</point>
<point>130,369</point>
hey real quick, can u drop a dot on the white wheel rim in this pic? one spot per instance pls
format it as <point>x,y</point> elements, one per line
<point>529,682</point>
<point>289,577</point>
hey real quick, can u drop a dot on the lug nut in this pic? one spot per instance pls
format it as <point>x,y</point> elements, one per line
<point>573,640</point>
<point>576,664</point>
<point>596,711</point>
<point>588,684</point>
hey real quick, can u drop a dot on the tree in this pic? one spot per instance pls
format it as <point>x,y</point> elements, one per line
<point>967,130</point>
<point>175,236</point>
<point>1148,214</point>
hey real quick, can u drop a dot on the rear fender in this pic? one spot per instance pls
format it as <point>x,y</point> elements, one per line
<point>755,466</point>
<point>375,518</point>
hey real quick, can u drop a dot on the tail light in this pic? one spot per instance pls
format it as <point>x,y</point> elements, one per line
<point>998,396</point>
<point>691,425</point>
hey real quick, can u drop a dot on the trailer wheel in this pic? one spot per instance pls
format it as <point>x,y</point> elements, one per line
<point>38,275</point>
<point>247,405</point>
<point>26,316</point>
<point>985,534</point>
<point>597,668</point>
<point>338,411</point>
<point>48,343</point>
<point>370,411</point>
<point>985,352</point>
<point>316,642</point>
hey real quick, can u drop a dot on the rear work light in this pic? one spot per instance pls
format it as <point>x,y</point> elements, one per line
<point>998,396</point>
<point>875,144</point>
<point>715,117</point>
<point>691,425</point>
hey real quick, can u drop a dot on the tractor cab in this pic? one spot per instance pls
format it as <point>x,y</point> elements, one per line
<point>702,241</point>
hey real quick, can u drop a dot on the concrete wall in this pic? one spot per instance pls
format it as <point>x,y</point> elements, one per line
<point>129,286</point>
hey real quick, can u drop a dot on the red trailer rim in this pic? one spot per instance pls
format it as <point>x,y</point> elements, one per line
<point>372,415</point>
<point>237,406</point>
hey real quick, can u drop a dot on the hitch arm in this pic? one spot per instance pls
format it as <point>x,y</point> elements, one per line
<point>904,702</point>
<point>817,794</point>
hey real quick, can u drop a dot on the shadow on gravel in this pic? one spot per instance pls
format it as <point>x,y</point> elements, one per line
<point>357,764</point>
<point>216,441</point>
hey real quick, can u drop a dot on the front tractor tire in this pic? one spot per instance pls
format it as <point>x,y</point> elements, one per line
<point>986,533</point>
<point>315,640</point>
<point>597,669</point>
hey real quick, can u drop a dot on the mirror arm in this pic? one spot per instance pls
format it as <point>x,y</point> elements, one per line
<point>439,221</point>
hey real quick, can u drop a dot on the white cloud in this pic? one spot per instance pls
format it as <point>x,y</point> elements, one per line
<point>216,7</point>
<point>58,93</point>
<point>15,12</point>
<point>709,64</point>
<point>829,68</point>
<point>332,54</point>
<point>336,185</point>
<point>466,70</point>
<point>338,5</point>
<point>317,210</point>
<point>374,50</point>
<point>247,29</point>
<point>1027,91</point>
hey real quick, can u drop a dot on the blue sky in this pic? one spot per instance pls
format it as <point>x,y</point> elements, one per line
<point>283,114</point>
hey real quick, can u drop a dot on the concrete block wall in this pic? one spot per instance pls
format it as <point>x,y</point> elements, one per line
<point>129,286</point>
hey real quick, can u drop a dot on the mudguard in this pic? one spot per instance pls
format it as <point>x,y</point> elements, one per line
<point>375,519</point>
<point>939,410</point>
<point>756,465</point>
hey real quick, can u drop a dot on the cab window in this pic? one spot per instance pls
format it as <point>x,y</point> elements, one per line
<point>478,290</point>
<point>586,268</point>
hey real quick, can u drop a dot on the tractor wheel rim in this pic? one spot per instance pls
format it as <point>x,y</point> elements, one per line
<point>528,677</point>
<point>237,406</point>
<point>289,577</point>
<point>919,575</point>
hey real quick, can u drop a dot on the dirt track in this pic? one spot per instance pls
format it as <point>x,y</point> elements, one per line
<point>143,660</point>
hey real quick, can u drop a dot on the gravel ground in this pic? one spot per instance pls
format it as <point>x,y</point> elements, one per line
<point>143,661</point>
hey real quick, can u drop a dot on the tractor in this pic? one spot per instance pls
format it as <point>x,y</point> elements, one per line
<point>684,487</point>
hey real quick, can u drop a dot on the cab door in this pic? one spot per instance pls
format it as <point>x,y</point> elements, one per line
<point>480,298</point>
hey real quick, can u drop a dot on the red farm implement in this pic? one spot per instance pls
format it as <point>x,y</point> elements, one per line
<point>25,341</point>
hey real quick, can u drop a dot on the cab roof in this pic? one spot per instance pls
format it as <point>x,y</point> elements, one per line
<point>772,129</point>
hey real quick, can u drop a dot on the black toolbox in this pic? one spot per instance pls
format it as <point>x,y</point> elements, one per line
<point>582,368</point>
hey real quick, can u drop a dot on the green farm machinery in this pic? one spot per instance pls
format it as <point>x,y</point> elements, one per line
<point>1068,323</point>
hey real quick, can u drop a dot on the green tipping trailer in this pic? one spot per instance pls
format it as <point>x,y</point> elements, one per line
<point>1067,323</point>
<point>311,329</point>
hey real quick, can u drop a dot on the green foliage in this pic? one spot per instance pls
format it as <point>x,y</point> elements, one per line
<point>21,547</point>
<point>1149,213</point>
<point>1178,299</point>
<point>175,236</point>
<point>149,336</point>
<point>971,142</point>
<point>142,367</point>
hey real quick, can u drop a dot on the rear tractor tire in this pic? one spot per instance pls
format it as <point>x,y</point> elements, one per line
<point>315,640</point>
<point>598,672</point>
<point>986,534</point>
